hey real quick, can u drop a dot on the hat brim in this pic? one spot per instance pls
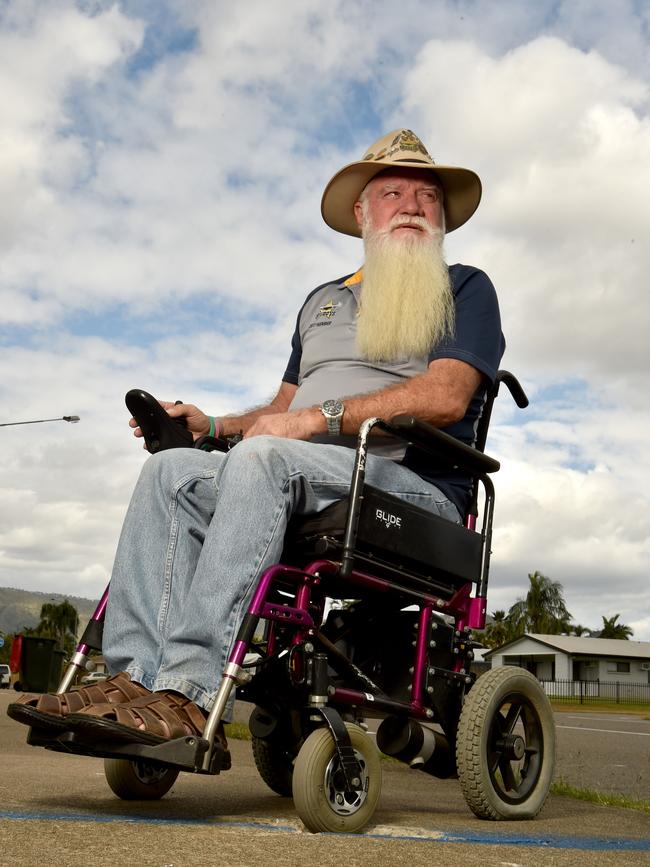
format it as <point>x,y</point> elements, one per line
<point>461,187</point>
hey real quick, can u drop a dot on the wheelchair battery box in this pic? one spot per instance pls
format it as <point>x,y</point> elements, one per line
<point>394,530</point>
<point>400,536</point>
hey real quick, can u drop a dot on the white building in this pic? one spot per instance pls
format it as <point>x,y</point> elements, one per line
<point>566,657</point>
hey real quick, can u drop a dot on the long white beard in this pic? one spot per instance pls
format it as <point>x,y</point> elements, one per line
<point>407,304</point>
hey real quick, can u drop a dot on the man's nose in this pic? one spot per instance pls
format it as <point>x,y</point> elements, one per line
<point>410,204</point>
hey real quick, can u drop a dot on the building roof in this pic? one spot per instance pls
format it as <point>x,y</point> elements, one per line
<point>575,646</point>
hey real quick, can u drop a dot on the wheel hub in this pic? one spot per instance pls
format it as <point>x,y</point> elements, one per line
<point>513,747</point>
<point>148,773</point>
<point>342,800</point>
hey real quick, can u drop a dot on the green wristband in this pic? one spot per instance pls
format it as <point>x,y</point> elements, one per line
<point>212,426</point>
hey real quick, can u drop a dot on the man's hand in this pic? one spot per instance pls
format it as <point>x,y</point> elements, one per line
<point>298,425</point>
<point>197,422</point>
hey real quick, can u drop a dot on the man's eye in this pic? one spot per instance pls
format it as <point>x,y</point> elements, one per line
<point>392,194</point>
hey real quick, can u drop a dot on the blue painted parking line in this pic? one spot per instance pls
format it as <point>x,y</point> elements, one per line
<point>424,836</point>
<point>130,818</point>
<point>549,842</point>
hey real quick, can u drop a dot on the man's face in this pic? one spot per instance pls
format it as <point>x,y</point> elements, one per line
<point>407,303</point>
<point>397,200</point>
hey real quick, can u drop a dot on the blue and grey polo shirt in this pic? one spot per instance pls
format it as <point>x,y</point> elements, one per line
<point>324,362</point>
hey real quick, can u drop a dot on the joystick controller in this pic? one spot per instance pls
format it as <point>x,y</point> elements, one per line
<point>161,431</point>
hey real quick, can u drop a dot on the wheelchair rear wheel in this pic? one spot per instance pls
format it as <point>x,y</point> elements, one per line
<point>319,791</point>
<point>505,745</point>
<point>274,762</point>
<point>139,780</point>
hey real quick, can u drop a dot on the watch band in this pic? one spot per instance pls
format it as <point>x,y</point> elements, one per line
<point>333,426</point>
<point>333,413</point>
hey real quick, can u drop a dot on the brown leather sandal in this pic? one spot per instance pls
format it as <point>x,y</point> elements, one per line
<point>51,711</point>
<point>151,719</point>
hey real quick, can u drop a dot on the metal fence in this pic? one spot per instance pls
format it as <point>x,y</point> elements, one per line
<point>595,691</point>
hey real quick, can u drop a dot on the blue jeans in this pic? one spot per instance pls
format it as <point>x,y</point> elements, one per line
<point>199,531</point>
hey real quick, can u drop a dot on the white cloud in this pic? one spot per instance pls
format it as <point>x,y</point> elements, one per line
<point>563,136</point>
<point>137,181</point>
<point>43,57</point>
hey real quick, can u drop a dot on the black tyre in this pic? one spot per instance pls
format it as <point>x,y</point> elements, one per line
<point>139,780</point>
<point>505,746</point>
<point>319,791</point>
<point>274,761</point>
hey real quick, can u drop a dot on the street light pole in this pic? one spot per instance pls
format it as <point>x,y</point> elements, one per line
<point>73,419</point>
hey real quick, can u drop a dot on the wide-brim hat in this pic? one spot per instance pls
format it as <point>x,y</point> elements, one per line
<point>398,149</point>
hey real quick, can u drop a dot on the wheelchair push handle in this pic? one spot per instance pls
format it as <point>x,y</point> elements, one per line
<point>514,387</point>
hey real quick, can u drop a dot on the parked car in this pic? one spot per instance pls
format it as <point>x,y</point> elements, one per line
<point>5,676</point>
<point>94,677</point>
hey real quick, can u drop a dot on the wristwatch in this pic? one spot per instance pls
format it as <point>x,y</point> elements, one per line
<point>333,412</point>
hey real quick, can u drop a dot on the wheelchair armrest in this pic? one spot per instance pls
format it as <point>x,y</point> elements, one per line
<point>217,444</point>
<point>441,445</point>
<point>211,444</point>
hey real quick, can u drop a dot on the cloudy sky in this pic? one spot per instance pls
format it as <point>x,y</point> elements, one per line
<point>161,167</point>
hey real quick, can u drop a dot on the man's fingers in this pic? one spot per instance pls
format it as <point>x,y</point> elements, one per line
<point>177,410</point>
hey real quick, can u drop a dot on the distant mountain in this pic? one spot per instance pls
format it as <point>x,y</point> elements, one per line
<point>22,608</point>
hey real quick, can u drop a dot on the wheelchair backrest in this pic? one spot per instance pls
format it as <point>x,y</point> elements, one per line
<point>520,398</point>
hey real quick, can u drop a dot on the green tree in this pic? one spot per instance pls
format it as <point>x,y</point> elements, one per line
<point>612,629</point>
<point>499,631</point>
<point>59,622</point>
<point>577,629</point>
<point>542,610</point>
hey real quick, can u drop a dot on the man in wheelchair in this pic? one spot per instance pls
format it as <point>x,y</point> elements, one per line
<point>405,335</point>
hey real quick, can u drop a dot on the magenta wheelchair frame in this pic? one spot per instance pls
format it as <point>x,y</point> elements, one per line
<point>311,693</point>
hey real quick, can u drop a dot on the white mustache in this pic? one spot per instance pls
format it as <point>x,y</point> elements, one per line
<point>414,221</point>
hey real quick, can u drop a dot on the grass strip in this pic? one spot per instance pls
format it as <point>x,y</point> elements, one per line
<point>561,787</point>
<point>237,731</point>
<point>601,707</point>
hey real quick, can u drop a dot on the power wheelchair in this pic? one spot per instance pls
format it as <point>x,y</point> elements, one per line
<point>398,649</point>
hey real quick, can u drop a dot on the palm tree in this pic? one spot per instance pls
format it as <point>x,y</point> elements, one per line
<point>499,631</point>
<point>612,629</point>
<point>543,609</point>
<point>60,622</point>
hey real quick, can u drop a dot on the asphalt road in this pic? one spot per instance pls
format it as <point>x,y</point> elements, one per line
<point>606,752</point>
<point>58,809</point>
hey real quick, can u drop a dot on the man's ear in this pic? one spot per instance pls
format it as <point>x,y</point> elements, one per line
<point>358,214</point>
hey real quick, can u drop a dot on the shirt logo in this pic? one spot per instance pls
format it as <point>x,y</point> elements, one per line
<point>328,310</point>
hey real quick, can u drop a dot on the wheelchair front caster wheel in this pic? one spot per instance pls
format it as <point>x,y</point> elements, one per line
<point>136,780</point>
<point>505,745</point>
<point>319,791</point>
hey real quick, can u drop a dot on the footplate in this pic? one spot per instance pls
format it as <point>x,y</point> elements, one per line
<point>185,754</point>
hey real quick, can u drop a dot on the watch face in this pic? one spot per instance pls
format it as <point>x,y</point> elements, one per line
<point>332,407</point>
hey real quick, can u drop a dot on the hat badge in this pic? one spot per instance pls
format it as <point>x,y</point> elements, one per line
<point>405,140</point>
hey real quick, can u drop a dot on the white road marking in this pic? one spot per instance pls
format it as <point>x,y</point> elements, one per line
<point>605,731</point>
<point>605,718</point>
<point>405,831</point>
